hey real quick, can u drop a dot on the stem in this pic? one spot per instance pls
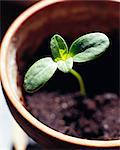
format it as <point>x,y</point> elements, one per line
<point>80,80</point>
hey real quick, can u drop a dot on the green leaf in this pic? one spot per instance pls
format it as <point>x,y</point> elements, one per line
<point>58,47</point>
<point>39,73</point>
<point>89,47</point>
<point>66,65</point>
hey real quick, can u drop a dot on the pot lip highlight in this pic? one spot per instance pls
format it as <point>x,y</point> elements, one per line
<point>13,97</point>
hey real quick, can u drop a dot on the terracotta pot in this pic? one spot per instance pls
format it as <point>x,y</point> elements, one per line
<point>70,18</point>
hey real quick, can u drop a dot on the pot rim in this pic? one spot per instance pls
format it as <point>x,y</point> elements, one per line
<point>13,97</point>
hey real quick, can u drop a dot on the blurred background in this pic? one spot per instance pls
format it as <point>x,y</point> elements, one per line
<point>12,137</point>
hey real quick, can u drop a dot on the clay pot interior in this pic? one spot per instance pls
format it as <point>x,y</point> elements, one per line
<point>32,43</point>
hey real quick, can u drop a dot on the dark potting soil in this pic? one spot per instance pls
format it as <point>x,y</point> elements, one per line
<point>96,118</point>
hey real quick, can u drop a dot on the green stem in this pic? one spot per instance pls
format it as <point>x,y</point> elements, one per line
<point>80,80</point>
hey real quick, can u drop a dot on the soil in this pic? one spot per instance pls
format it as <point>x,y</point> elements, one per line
<point>72,114</point>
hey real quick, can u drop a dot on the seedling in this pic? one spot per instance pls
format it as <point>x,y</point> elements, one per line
<point>85,48</point>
